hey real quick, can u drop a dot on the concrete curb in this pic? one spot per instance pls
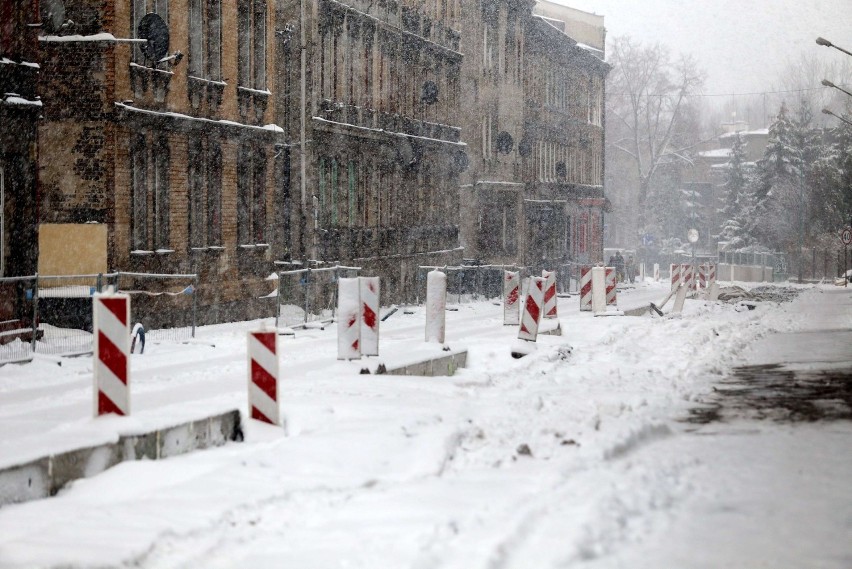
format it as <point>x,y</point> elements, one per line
<point>432,367</point>
<point>45,476</point>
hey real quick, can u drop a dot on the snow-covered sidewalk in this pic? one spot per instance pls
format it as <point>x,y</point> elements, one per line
<point>578,455</point>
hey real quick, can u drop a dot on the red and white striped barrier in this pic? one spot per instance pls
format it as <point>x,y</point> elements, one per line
<point>533,305</point>
<point>111,327</point>
<point>549,294</point>
<point>711,273</point>
<point>586,288</point>
<point>703,269</point>
<point>348,319</point>
<point>687,276</point>
<point>610,286</point>
<point>599,282</point>
<point>370,288</point>
<point>263,377</point>
<point>675,275</point>
<point>436,306</point>
<point>656,272</point>
<point>511,298</point>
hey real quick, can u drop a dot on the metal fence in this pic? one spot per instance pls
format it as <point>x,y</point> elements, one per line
<point>165,304</point>
<point>773,264</point>
<point>309,294</point>
<point>467,283</point>
<point>51,314</point>
<point>16,318</point>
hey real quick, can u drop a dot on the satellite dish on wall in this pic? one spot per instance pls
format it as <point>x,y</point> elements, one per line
<point>152,28</point>
<point>52,14</point>
<point>525,147</point>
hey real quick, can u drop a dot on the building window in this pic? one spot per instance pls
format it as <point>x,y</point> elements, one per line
<point>195,191</point>
<point>251,195</point>
<point>205,39</point>
<point>251,44</point>
<point>138,9</point>
<point>139,192</point>
<point>3,237</point>
<point>214,193</point>
<point>149,195</point>
<point>161,156</point>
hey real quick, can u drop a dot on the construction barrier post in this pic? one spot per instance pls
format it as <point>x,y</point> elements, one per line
<point>611,298</point>
<point>370,288</point>
<point>511,298</point>
<point>549,294</point>
<point>656,272</point>
<point>348,319</point>
<point>532,310</point>
<point>680,298</point>
<point>675,275</point>
<point>598,282</point>
<point>586,288</point>
<point>111,327</point>
<point>641,272</point>
<point>436,306</point>
<point>687,276</point>
<point>263,377</point>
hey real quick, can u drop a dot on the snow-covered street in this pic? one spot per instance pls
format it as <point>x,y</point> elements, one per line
<point>581,454</point>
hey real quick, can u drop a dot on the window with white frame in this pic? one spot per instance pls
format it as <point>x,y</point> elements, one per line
<point>149,194</point>
<point>251,44</point>
<point>205,39</point>
<point>251,195</point>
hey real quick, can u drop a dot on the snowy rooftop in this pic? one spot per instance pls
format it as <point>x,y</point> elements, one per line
<point>716,153</point>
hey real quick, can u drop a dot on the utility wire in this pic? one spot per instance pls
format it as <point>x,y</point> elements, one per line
<point>734,94</point>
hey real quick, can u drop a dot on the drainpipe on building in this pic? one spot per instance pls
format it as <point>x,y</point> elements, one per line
<point>309,232</point>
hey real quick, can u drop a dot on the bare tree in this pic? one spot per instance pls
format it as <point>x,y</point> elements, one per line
<point>647,96</point>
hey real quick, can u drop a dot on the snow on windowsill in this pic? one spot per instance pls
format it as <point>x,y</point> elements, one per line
<point>164,251</point>
<point>7,61</point>
<point>18,101</point>
<point>391,132</point>
<point>78,38</point>
<point>251,246</point>
<point>141,252</point>
<point>151,69</point>
<point>263,92</point>
<point>208,81</point>
<point>273,128</point>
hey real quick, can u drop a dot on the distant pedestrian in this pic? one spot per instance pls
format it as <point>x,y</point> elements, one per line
<point>138,332</point>
<point>619,267</point>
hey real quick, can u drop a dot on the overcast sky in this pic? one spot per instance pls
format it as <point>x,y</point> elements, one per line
<point>742,44</point>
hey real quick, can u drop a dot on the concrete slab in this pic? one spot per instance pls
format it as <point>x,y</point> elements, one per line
<point>47,475</point>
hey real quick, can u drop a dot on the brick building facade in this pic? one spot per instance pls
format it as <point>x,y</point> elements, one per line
<point>321,131</point>
<point>178,157</point>
<point>20,109</point>
<point>371,111</point>
<point>533,195</point>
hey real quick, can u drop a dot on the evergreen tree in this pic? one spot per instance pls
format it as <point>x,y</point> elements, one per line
<point>732,230</point>
<point>780,160</point>
<point>736,177</point>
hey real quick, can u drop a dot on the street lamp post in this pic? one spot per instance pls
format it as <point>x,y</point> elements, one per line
<point>827,112</point>
<point>828,83</point>
<point>826,43</point>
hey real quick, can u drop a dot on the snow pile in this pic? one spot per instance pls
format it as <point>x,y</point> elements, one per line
<point>576,455</point>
